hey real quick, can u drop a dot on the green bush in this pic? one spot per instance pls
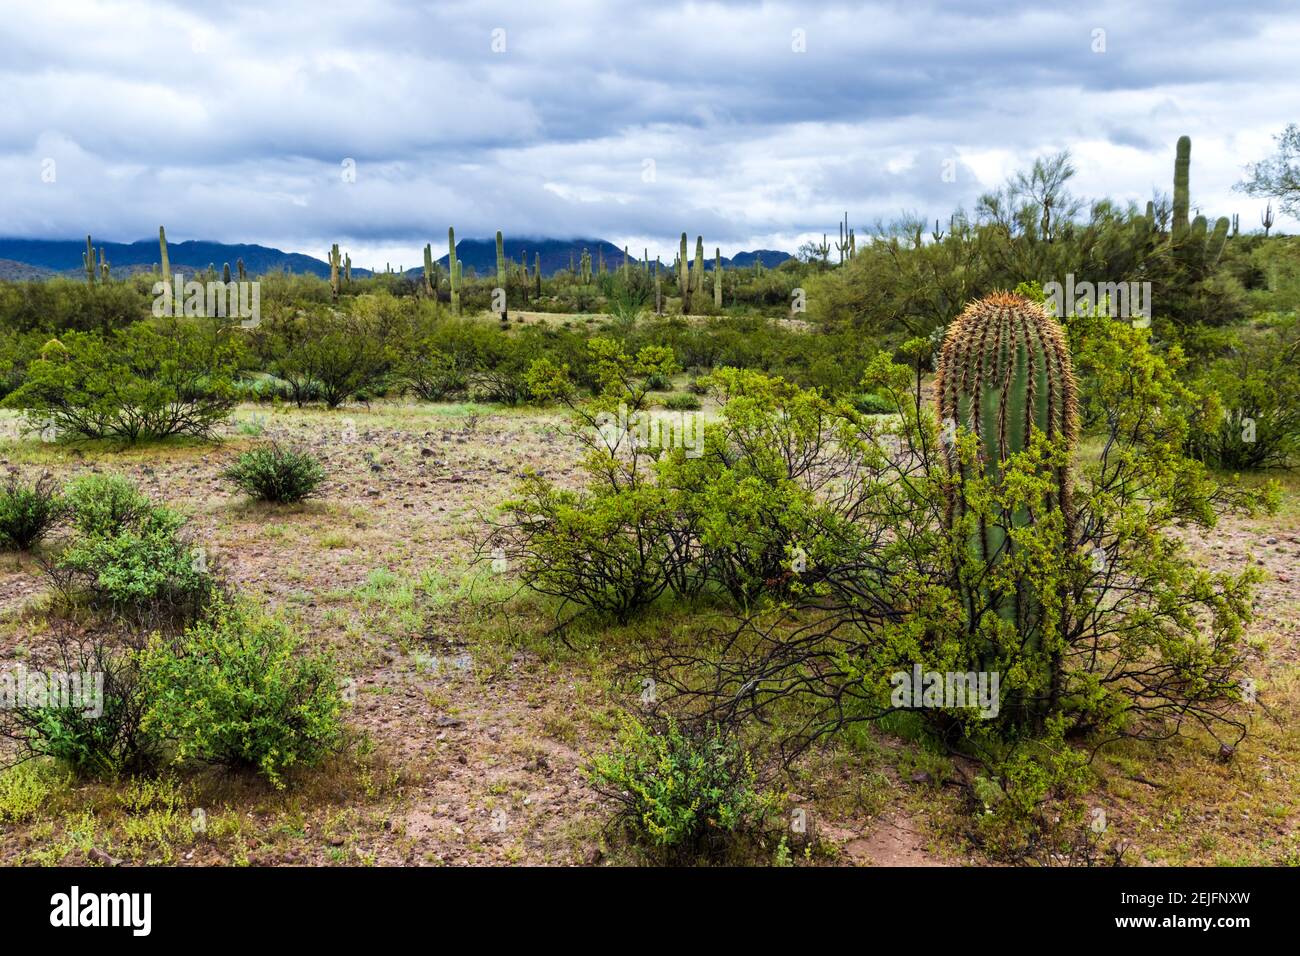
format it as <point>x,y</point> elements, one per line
<point>236,689</point>
<point>104,504</point>
<point>27,512</point>
<point>871,404</point>
<point>132,384</point>
<point>680,790</point>
<point>100,740</point>
<point>276,474</point>
<point>682,402</point>
<point>139,566</point>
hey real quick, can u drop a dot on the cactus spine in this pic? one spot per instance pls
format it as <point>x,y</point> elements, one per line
<point>1182,184</point>
<point>453,271</point>
<point>1004,372</point>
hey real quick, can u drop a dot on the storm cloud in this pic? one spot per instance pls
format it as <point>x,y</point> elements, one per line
<point>377,125</point>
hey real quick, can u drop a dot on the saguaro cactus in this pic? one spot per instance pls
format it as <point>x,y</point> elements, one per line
<point>717,278</point>
<point>683,278</point>
<point>428,269</point>
<point>537,272</point>
<point>166,261</point>
<point>1004,372</point>
<point>335,262</point>
<point>453,270</point>
<point>88,260</point>
<point>659,292</point>
<point>698,276</point>
<point>1182,184</point>
<point>225,272</point>
<point>501,259</point>
<point>243,273</point>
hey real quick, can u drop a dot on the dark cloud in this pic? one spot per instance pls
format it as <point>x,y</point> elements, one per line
<point>763,122</point>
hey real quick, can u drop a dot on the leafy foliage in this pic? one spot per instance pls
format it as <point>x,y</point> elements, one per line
<point>277,474</point>
<point>236,689</point>
<point>28,511</point>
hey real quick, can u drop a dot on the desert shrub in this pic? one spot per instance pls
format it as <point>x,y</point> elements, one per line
<point>237,689</point>
<point>28,511</point>
<point>131,384</point>
<point>682,402</point>
<point>680,789</point>
<point>327,356</point>
<point>145,569</point>
<point>97,732</point>
<point>697,386</point>
<point>658,383</point>
<point>104,504</point>
<point>276,474</point>
<point>870,404</point>
<point>1255,422</point>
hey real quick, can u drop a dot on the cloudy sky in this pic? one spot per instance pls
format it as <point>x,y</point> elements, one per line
<point>377,124</point>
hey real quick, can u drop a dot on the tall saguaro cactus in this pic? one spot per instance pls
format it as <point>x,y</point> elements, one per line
<point>335,262</point>
<point>717,277</point>
<point>684,278</point>
<point>1004,373</point>
<point>501,260</point>
<point>166,261</point>
<point>537,272</point>
<point>88,260</point>
<point>1182,184</point>
<point>698,276</point>
<point>453,271</point>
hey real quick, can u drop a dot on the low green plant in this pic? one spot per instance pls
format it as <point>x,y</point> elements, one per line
<point>94,733</point>
<point>27,511</point>
<point>104,504</point>
<point>682,402</point>
<point>237,689</point>
<point>131,558</point>
<point>276,474</point>
<point>683,789</point>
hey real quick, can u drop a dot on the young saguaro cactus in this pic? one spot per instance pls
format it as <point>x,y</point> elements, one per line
<point>1004,372</point>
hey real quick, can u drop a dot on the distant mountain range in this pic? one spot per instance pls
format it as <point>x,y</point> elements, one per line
<point>45,258</point>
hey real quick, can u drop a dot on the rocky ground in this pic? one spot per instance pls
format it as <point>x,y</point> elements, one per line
<point>468,735</point>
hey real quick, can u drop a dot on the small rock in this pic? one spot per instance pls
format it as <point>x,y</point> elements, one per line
<point>921,776</point>
<point>103,858</point>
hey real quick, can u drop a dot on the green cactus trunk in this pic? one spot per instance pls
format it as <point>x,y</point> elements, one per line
<point>453,271</point>
<point>239,268</point>
<point>698,275</point>
<point>335,262</point>
<point>683,277</point>
<point>501,260</point>
<point>659,292</point>
<point>717,278</point>
<point>1004,372</point>
<point>225,272</point>
<point>537,273</point>
<point>428,269</point>
<point>1182,185</point>
<point>166,261</point>
<point>88,260</point>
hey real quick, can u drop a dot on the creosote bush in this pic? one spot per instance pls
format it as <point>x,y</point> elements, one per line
<point>129,557</point>
<point>277,474</point>
<point>236,688</point>
<point>681,789</point>
<point>27,511</point>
